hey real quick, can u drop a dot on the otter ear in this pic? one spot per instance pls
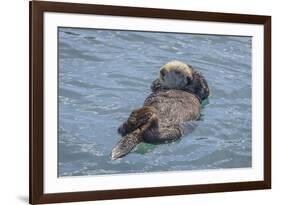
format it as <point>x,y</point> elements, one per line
<point>201,88</point>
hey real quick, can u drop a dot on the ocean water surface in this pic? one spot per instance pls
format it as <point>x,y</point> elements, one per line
<point>105,74</point>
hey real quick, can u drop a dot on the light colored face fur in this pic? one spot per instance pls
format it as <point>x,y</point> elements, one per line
<point>175,75</point>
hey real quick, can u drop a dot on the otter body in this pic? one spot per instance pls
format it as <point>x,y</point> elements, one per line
<point>176,97</point>
<point>172,109</point>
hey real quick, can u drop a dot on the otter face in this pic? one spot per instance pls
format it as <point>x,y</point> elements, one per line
<point>178,75</point>
<point>175,75</point>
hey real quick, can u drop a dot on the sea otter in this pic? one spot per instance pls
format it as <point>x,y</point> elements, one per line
<point>176,97</point>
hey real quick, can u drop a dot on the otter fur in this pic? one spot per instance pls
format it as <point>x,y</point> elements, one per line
<point>176,97</point>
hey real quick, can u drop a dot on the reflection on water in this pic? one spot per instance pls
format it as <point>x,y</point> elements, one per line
<point>104,74</point>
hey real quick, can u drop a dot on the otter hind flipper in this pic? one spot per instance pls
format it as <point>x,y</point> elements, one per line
<point>137,119</point>
<point>140,121</point>
<point>126,144</point>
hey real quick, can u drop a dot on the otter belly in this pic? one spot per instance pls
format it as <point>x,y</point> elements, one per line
<point>173,108</point>
<point>158,121</point>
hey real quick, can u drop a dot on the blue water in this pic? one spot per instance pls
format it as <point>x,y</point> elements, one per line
<point>104,75</point>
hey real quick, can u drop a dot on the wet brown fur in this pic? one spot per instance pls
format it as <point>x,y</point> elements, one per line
<point>164,110</point>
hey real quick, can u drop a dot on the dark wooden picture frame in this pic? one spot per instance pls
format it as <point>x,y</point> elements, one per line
<point>37,9</point>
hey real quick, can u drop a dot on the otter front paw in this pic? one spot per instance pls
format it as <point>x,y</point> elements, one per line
<point>156,86</point>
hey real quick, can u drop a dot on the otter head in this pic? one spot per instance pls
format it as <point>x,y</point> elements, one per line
<point>175,75</point>
<point>180,76</point>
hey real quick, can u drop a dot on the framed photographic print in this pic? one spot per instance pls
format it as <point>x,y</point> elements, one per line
<point>137,102</point>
